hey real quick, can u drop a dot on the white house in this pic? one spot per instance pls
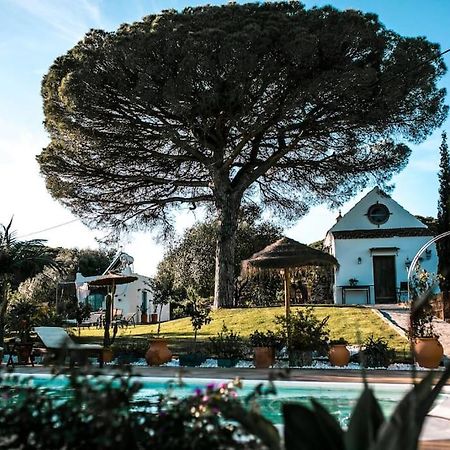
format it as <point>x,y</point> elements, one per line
<point>135,297</point>
<point>374,244</point>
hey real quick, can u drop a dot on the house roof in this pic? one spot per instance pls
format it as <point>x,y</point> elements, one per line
<point>357,218</point>
<point>381,233</point>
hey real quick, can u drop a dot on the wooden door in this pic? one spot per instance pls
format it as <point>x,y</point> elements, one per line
<point>384,279</point>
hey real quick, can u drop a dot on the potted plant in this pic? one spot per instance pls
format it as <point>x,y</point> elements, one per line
<point>158,352</point>
<point>227,346</point>
<point>264,346</point>
<point>376,353</point>
<point>199,310</point>
<point>427,349</point>
<point>338,353</point>
<point>303,333</point>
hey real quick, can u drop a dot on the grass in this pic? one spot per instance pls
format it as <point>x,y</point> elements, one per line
<point>354,324</point>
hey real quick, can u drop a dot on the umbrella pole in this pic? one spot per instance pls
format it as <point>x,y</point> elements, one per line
<point>106,337</point>
<point>287,305</point>
<point>287,292</point>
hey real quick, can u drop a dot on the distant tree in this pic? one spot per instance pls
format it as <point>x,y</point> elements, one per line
<point>52,285</point>
<point>19,260</point>
<point>443,222</point>
<point>430,222</point>
<point>221,105</point>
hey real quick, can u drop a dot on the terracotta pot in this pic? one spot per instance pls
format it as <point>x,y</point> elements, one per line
<point>428,352</point>
<point>264,357</point>
<point>154,318</point>
<point>107,355</point>
<point>158,353</point>
<point>339,355</point>
<point>144,318</point>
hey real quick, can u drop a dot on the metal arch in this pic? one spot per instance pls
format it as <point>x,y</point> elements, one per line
<point>419,254</point>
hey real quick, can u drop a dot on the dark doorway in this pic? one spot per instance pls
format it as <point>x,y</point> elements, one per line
<point>384,279</point>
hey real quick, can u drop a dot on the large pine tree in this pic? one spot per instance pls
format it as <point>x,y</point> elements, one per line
<point>226,106</point>
<point>443,246</point>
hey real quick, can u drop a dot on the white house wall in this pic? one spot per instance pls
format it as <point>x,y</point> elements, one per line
<point>128,297</point>
<point>349,250</point>
<point>356,218</point>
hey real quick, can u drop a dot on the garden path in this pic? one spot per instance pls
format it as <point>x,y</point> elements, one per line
<point>399,316</point>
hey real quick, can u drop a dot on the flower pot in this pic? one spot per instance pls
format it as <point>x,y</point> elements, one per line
<point>23,352</point>
<point>154,318</point>
<point>264,357</point>
<point>144,318</point>
<point>339,355</point>
<point>299,358</point>
<point>428,352</point>
<point>192,359</point>
<point>226,362</point>
<point>107,355</point>
<point>158,352</point>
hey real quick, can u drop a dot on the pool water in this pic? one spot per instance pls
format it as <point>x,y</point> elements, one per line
<point>338,398</point>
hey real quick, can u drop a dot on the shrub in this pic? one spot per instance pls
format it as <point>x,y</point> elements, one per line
<point>199,310</point>
<point>376,353</point>
<point>340,341</point>
<point>133,349</point>
<point>227,344</point>
<point>267,339</point>
<point>303,330</point>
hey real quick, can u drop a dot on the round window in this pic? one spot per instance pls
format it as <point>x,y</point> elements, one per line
<point>378,213</point>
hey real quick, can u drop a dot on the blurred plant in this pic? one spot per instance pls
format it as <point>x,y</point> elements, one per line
<point>214,417</point>
<point>315,428</point>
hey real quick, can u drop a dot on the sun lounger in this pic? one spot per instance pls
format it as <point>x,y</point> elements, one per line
<point>57,340</point>
<point>127,319</point>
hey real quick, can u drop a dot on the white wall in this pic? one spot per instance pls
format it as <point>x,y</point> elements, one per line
<point>128,297</point>
<point>348,251</point>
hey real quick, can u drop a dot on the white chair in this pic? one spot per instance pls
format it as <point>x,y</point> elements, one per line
<point>57,340</point>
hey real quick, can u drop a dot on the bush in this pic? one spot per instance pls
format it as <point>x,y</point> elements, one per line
<point>305,331</point>
<point>24,314</point>
<point>227,345</point>
<point>376,353</point>
<point>340,341</point>
<point>267,339</point>
<point>130,350</point>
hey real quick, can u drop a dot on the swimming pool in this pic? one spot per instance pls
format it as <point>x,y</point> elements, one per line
<point>338,398</point>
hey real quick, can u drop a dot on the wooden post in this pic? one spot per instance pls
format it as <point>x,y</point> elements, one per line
<point>287,291</point>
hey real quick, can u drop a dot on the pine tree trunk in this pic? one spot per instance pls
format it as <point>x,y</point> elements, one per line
<point>228,209</point>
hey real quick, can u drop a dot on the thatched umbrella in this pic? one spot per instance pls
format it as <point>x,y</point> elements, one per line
<point>286,254</point>
<point>111,280</point>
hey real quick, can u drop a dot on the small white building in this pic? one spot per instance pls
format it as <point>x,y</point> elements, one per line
<point>374,244</point>
<point>135,297</point>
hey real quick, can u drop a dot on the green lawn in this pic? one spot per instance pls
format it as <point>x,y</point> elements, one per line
<point>352,323</point>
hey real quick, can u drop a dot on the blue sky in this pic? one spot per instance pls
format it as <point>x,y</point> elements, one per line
<point>34,32</point>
